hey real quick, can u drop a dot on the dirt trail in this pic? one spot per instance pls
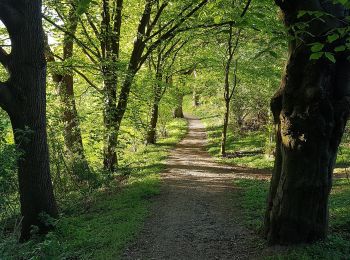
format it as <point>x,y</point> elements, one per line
<point>195,216</point>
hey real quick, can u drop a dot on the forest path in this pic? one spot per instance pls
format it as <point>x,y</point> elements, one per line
<point>195,216</point>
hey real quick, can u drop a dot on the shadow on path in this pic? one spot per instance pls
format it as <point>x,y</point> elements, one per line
<point>195,217</point>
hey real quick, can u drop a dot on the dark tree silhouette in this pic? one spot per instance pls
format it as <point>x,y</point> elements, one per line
<point>22,96</point>
<point>310,111</point>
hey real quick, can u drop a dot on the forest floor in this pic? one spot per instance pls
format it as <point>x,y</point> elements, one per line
<point>196,215</point>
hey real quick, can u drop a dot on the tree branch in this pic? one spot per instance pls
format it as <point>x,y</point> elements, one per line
<point>88,37</point>
<point>9,15</point>
<point>162,28</point>
<point>79,42</point>
<point>172,31</point>
<point>246,8</point>
<point>156,18</point>
<point>93,26</point>
<point>87,80</point>
<point>207,26</point>
<point>4,57</point>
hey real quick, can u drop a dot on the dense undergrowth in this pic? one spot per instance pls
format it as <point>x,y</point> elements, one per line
<point>98,224</point>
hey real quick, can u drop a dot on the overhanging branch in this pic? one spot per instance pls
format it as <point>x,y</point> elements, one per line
<point>172,31</point>
<point>9,15</point>
<point>4,57</point>
<point>246,8</point>
<point>79,42</point>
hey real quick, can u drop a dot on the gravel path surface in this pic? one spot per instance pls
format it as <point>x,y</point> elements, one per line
<point>195,216</point>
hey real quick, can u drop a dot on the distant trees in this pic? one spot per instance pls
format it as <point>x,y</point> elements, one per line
<point>101,45</point>
<point>162,61</point>
<point>310,112</point>
<point>22,96</point>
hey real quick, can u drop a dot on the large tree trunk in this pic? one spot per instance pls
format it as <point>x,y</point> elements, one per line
<point>310,112</point>
<point>23,97</point>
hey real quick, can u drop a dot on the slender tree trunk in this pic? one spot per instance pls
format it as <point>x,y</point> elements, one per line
<point>152,128</point>
<point>23,96</point>
<point>133,67</point>
<point>195,98</point>
<point>225,127</point>
<point>72,133</point>
<point>178,111</point>
<point>110,48</point>
<point>111,126</point>
<point>152,131</point>
<point>65,85</point>
<point>228,94</point>
<point>310,112</point>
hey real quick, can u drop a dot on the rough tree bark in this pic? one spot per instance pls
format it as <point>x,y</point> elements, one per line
<point>110,48</point>
<point>23,98</point>
<point>310,112</point>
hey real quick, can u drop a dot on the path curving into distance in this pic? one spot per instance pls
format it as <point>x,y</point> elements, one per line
<point>195,216</point>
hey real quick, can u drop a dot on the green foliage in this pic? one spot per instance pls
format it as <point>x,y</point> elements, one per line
<point>103,211</point>
<point>252,197</point>
<point>255,142</point>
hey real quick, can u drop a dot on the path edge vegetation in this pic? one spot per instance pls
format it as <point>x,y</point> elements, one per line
<point>103,222</point>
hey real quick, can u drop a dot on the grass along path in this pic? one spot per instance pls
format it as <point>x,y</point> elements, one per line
<point>252,198</point>
<point>99,225</point>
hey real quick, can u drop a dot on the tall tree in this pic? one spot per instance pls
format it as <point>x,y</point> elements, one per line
<point>229,88</point>
<point>64,80</point>
<point>23,97</point>
<point>147,30</point>
<point>163,61</point>
<point>105,56</point>
<point>310,111</point>
<point>110,48</point>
